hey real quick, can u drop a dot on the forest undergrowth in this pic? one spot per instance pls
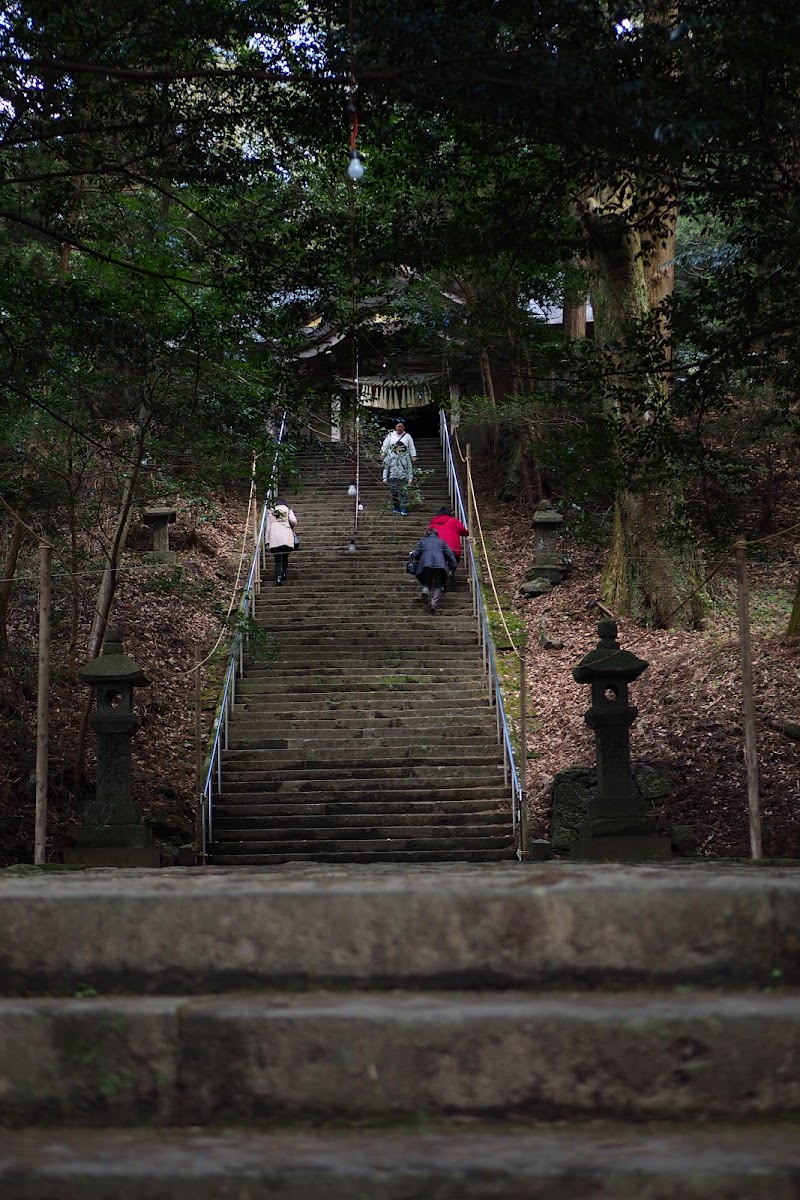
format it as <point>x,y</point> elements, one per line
<point>690,721</point>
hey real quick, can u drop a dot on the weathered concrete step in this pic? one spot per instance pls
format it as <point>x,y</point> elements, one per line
<point>358,1055</point>
<point>444,809</point>
<point>346,841</point>
<point>751,1162</point>
<point>270,735</point>
<point>318,600</point>
<point>364,751</point>
<point>282,625</point>
<point>377,774</point>
<point>362,652</point>
<point>403,858</point>
<point>360,760</point>
<point>354,671</point>
<point>510,924</point>
<point>368,822</point>
<point>300,685</point>
<point>372,639</point>
<point>355,789</point>
<point>345,706</point>
<point>362,834</point>
<point>473,728</point>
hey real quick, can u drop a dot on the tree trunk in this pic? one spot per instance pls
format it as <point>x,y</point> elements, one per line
<point>6,584</point>
<point>793,630</point>
<point>12,555</point>
<point>574,311</point>
<point>650,570</point>
<point>488,387</point>
<point>105,592</point>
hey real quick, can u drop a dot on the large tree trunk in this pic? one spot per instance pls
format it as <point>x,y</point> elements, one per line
<point>650,569</point>
<point>793,630</point>
<point>12,553</point>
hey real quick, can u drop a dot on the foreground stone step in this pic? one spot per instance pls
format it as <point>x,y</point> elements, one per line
<point>500,925</point>
<point>355,1056</point>
<point>447,1163</point>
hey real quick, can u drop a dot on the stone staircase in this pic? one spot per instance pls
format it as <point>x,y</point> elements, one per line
<point>362,730</point>
<point>524,1031</point>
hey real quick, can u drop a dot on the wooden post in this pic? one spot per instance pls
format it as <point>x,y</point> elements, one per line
<point>42,703</point>
<point>469,489</point>
<point>523,753</point>
<point>748,704</point>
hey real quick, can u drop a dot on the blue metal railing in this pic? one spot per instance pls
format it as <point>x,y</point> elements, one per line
<point>247,608</point>
<point>510,771</point>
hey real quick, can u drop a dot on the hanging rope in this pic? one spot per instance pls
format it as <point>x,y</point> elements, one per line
<point>354,172</point>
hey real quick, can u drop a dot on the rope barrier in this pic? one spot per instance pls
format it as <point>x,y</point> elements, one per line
<point>242,553</point>
<point>477,515</point>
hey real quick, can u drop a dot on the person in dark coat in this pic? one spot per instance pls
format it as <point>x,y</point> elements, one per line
<point>435,561</point>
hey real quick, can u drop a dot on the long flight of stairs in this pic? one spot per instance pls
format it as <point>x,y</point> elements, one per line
<point>362,730</point>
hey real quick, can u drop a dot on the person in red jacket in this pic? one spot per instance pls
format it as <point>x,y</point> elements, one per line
<point>450,530</point>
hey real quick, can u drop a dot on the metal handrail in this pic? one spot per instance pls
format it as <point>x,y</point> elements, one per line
<point>511,774</point>
<point>236,662</point>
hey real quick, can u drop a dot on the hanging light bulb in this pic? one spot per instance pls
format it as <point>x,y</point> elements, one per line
<point>351,491</point>
<point>355,168</point>
<point>361,508</point>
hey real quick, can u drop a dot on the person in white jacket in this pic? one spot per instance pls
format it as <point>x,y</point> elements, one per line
<point>281,537</point>
<point>398,434</point>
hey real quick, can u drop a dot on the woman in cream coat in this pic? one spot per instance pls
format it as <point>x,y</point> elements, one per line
<point>280,537</point>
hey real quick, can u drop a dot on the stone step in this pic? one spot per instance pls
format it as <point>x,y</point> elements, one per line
<point>361,834</point>
<point>384,692</point>
<point>368,822</point>
<point>420,810</point>
<point>400,745</point>
<point>349,1056</point>
<point>382,776</point>
<point>352,668</point>
<point>395,756</point>
<point>403,858</point>
<point>519,1162</point>
<point>458,655</point>
<point>502,925</point>
<point>332,704</point>
<point>348,844</point>
<point>350,789</point>
<point>270,739</point>
<point>400,762</point>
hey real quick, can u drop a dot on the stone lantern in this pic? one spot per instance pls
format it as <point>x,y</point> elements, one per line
<point>620,822</point>
<point>158,521</point>
<point>547,569</point>
<point>113,834</point>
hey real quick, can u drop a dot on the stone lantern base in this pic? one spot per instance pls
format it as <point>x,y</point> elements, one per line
<point>626,848</point>
<point>112,856</point>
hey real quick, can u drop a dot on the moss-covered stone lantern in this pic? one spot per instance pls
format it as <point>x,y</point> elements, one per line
<point>620,822</point>
<point>113,833</point>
